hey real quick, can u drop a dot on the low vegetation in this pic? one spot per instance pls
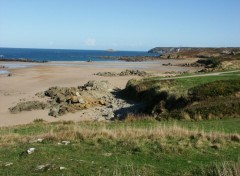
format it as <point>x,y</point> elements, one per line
<point>209,63</point>
<point>140,147</point>
<point>223,169</point>
<point>215,89</point>
<point>205,97</point>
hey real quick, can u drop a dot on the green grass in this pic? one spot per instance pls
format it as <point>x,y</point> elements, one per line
<point>227,125</point>
<point>101,154</point>
<point>223,125</point>
<point>186,83</point>
<point>181,84</point>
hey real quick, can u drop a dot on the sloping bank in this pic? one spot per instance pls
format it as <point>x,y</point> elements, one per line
<point>189,98</point>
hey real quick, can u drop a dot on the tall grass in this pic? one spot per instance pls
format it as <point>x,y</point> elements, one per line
<point>223,169</point>
<point>102,132</point>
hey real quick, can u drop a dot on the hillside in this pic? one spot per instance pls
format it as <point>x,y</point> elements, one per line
<point>194,52</point>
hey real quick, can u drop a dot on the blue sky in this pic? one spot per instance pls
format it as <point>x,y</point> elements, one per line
<point>119,24</point>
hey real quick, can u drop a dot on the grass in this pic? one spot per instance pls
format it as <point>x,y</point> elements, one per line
<point>141,147</point>
<point>181,85</point>
<point>202,97</point>
<point>223,169</point>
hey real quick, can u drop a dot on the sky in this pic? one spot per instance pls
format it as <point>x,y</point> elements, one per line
<point>137,25</point>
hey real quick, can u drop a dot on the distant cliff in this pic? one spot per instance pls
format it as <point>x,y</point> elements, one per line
<point>194,52</point>
<point>167,50</point>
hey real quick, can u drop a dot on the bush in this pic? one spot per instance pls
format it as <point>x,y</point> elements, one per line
<point>210,62</point>
<point>214,89</point>
<point>145,90</point>
<point>215,108</point>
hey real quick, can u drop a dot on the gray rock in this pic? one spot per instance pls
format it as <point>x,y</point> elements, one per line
<point>81,101</point>
<point>8,164</point>
<point>88,88</point>
<point>108,113</point>
<point>123,73</point>
<point>31,150</point>
<point>64,143</point>
<point>54,112</point>
<point>28,106</point>
<point>43,167</point>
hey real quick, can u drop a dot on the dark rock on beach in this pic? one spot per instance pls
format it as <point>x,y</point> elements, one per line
<point>133,58</point>
<point>124,73</point>
<point>21,60</point>
<point>28,106</point>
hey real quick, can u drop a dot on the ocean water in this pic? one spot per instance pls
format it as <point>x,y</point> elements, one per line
<point>65,55</point>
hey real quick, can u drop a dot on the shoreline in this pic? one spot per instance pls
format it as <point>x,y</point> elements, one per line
<point>10,65</point>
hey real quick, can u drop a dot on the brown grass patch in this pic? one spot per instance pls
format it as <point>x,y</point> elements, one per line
<point>100,132</point>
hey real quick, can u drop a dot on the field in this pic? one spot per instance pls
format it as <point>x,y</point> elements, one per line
<point>143,147</point>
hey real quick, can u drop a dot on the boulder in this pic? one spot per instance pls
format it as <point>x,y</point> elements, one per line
<point>28,106</point>
<point>74,99</point>
<point>108,113</point>
<point>30,150</point>
<point>81,101</point>
<point>98,85</point>
<point>53,112</point>
<point>61,98</point>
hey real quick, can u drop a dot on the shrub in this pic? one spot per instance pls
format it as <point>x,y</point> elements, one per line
<point>146,89</point>
<point>210,62</point>
<point>38,120</point>
<point>214,89</point>
<point>215,108</point>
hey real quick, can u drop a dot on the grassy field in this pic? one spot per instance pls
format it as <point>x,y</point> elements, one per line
<point>144,147</point>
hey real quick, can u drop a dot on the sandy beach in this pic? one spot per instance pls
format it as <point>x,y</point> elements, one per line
<point>29,79</point>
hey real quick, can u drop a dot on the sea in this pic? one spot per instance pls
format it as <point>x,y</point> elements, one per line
<point>66,54</point>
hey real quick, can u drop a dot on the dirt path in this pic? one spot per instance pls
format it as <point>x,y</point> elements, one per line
<point>201,75</point>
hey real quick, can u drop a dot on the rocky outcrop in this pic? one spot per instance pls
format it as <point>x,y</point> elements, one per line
<point>133,58</point>
<point>21,60</point>
<point>95,98</point>
<point>64,99</point>
<point>124,73</point>
<point>28,106</point>
<point>167,50</point>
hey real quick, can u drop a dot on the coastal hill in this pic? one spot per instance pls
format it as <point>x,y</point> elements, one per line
<point>197,52</point>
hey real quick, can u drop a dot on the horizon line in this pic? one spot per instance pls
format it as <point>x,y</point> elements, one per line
<point>114,50</point>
